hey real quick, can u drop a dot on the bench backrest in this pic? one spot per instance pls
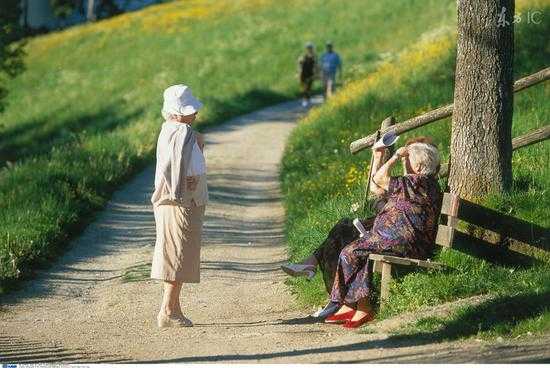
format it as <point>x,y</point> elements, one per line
<point>510,235</point>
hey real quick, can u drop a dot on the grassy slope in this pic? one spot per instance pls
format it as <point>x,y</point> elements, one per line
<point>85,114</point>
<point>321,180</point>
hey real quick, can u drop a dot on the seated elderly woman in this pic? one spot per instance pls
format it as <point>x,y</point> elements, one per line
<point>405,226</point>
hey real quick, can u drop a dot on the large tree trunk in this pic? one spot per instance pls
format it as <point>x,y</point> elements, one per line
<point>481,139</point>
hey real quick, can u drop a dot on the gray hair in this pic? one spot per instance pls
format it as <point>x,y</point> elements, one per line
<point>424,157</point>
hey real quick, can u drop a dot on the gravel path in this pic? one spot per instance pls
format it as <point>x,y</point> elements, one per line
<point>97,303</point>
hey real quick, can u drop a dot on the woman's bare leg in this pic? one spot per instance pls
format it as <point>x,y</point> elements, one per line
<point>177,303</point>
<point>363,308</point>
<point>170,298</point>
<point>343,309</point>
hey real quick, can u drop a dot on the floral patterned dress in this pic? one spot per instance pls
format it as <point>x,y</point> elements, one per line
<point>328,253</point>
<point>405,227</point>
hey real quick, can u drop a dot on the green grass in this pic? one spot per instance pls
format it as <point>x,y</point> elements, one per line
<point>510,316</point>
<point>322,180</point>
<point>83,117</point>
<point>135,273</point>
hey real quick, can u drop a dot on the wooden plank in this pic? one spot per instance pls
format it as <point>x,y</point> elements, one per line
<point>377,267</point>
<point>532,137</point>
<point>386,125</point>
<point>405,261</point>
<point>430,264</point>
<point>479,248</point>
<point>441,113</point>
<point>385,283</point>
<point>416,122</point>
<point>533,252</point>
<point>390,259</point>
<point>531,80</point>
<point>444,236</point>
<point>489,219</point>
<point>452,221</point>
<point>450,204</point>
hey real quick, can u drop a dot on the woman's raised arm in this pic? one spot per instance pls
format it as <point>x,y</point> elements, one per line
<point>381,179</point>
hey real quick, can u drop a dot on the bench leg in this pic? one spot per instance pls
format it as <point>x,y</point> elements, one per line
<point>386,280</point>
<point>377,267</point>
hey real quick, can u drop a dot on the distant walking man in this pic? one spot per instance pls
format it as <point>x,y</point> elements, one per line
<point>330,64</point>
<point>307,66</point>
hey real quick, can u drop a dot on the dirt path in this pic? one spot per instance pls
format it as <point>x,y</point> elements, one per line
<point>97,303</point>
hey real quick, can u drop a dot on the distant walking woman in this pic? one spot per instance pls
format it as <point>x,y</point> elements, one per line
<point>179,200</point>
<point>307,67</point>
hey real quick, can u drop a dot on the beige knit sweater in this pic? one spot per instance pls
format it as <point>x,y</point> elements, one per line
<point>174,151</point>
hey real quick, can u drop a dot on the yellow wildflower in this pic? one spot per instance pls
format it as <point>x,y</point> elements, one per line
<point>167,18</point>
<point>427,50</point>
<point>352,176</point>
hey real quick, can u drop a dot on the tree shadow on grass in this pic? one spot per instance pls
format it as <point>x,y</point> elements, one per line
<point>35,137</point>
<point>499,315</point>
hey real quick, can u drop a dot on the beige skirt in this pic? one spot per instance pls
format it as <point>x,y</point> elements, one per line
<point>178,244</point>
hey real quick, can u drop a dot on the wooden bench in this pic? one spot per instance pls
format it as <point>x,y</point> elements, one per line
<point>531,241</point>
<point>505,238</point>
<point>383,264</point>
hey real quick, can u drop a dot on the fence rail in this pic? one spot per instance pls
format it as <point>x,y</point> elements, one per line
<point>508,236</point>
<point>534,136</point>
<point>441,113</point>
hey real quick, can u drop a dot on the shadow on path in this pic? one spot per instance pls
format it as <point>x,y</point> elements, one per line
<point>18,350</point>
<point>536,353</point>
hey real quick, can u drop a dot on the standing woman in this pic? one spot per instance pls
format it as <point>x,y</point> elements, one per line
<point>307,67</point>
<point>179,200</point>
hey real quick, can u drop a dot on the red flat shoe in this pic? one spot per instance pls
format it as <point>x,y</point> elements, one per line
<point>340,318</point>
<point>354,324</point>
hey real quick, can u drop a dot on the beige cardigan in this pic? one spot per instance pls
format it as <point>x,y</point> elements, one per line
<point>174,149</point>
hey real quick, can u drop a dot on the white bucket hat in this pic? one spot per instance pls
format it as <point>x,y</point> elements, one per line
<point>178,100</point>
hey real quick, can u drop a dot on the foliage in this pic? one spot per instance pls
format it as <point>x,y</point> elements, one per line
<point>11,46</point>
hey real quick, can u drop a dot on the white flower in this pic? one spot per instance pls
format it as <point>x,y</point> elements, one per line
<point>355,207</point>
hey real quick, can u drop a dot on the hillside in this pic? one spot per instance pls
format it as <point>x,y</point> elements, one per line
<point>84,115</point>
<point>322,181</point>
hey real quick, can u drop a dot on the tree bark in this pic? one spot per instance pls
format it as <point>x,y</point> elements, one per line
<point>481,138</point>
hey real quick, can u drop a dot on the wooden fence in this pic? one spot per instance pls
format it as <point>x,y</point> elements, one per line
<point>515,237</point>
<point>534,136</point>
<point>438,114</point>
<point>512,237</point>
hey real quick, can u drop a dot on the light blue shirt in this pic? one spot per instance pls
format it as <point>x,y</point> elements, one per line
<point>330,62</point>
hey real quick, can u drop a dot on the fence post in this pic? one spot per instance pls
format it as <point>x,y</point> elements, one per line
<point>388,122</point>
<point>385,283</point>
